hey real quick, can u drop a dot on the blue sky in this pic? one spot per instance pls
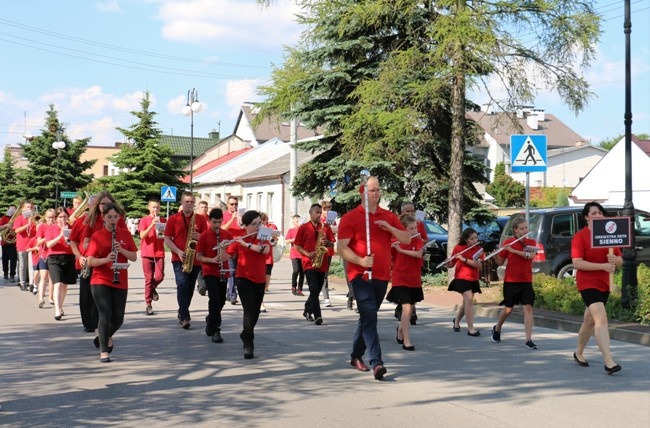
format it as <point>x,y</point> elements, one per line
<point>94,59</point>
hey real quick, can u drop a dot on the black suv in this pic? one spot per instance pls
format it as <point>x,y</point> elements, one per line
<point>553,229</point>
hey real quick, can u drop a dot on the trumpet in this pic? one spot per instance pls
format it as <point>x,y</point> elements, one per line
<point>83,206</point>
<point>160,229</point>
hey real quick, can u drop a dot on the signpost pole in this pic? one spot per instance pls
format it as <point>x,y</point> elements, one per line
<point>528,199</point>
<point>167,209</point>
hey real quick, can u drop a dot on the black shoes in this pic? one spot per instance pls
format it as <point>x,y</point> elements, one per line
<point>96,341</point>
<point>248,353</point>
<point>475,334</point>
<point>318,321</point>
<point>202,291</point>
<point>612,370</point>
<point>216,337</point>
<point>308,316</point>
<point>400,341</point>
<point>456,329</point>
<point>414,319</point>
<point>408,348</point>
<point>582,363</point>
<point>379,371</point>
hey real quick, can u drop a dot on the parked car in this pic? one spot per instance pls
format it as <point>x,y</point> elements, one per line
<point>489,234</point>
<point>436,252</point>
<point>553,229</point>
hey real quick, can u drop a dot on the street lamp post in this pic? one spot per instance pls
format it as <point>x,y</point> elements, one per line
<point>57,145</point>
<point>193,106</point>
<point>629,278</point>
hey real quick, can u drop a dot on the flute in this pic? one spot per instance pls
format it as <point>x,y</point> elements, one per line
<point>365,174</point>
<point>456,255</point>
<point>498,250</point>
<point>227,242</point>
<point>396,243</point>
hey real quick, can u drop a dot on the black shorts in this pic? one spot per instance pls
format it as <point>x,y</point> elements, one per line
<point>269,268</point>
<point>591,295</point>
<point>463,285</point>
<point>518,293</point>
<point>62,269</point>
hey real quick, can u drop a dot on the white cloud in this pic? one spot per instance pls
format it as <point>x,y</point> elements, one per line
<point>240,23</point>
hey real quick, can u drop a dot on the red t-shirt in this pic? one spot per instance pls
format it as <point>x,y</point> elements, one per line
<point>463,270</point>
<point>234,229</point>
<point>291,234</point>
<point>4,220</point>
<point>251,264</point>
<point>61,246</point>
<point>176,229</point>
<point>353,227</point>
<point>207,241</point>
<point>306,238</point>
<point>100,246</point>
<point>35,254</point>
<point>422,230</point>
<point>407,270</point>
<point>518,269</point>
<point>40,234</point>
<point>22,238</point>
<point>89,230</point>
<point>581,249</point>
<point>151,245</point>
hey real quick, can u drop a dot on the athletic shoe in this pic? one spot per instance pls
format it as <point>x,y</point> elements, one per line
<point>496,335</point>
<point>155,296</point>
<point>149,310</point>
<point>530,345</point>
<point>327,303</point>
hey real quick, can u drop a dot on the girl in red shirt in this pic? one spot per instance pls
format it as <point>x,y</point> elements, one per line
<point>60,259</point>
<point>250,276</point>
<point>518,282</point>
<point>593,268</point>
<point>406,279</point>
<point>44,274</point>
<point>109,287</point>
<point>466,277</point>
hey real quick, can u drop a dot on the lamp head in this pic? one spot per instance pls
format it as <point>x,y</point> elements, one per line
<point>187,110</point>
<point>197,107</point>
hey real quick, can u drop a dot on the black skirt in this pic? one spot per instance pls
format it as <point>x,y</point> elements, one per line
<point>463,285</point>
<point>401,294</point>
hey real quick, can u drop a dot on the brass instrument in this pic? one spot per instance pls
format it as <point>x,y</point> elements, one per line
<point>321,250</point>
<point>83,206</point>
<point>8,234</point>
<point>160,229</point>
<point>190,247</point>
<point>116,272</point>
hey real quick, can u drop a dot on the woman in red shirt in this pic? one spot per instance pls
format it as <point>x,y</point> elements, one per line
<point>44,274</point>
<point>109,286</point>
<point>594,266</point>
<point>60,259</point>
<point>406,279</point>
<point>250,276</point>
<point>466,276</point>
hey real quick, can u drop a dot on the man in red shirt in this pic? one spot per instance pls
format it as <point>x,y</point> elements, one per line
<point>202,211</point>
<point>369,291</point>
<point>25,228</point>
<point>231,223</point>
<point>176,234</point>
<point>307,245</point>
<point>9,254</point>
<point>214,266</point>
<point>152,252</point>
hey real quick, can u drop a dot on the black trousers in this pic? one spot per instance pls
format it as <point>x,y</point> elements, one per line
<point>111,304</point>
<point>9,259</point>
<point>251,295</point>
<point>216,299</point>
<point>298,275</point>
<point>87,308</point>
<point>315,282</point>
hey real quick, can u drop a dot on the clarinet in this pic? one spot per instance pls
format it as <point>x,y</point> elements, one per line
<point>116,272</point>
<point>219,256</point>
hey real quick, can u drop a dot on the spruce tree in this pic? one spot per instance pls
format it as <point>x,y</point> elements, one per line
<point>48,167</point>
<point>147,165</point>
<point>11,192</point>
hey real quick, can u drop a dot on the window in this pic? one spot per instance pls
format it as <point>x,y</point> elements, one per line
<point>259,201</point>
<point>249,201</point>
<point>269,203</point>
<point>105,170</point>
<point>562,225</point>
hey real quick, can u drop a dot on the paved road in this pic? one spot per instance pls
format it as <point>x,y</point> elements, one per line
<point>165,376</point>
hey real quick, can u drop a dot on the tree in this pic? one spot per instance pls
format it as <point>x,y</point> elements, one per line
<point>339,79</point>
<point>10,190</point>
<point>609,143</point>
<point>48,167</point>
<point>506,191</point>
<point>147,164</point>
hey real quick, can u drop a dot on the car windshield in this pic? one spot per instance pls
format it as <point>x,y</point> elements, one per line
<point>433,227</point>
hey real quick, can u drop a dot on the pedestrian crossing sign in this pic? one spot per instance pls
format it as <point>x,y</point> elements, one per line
<point>167,194</point>
<point>528,153</point>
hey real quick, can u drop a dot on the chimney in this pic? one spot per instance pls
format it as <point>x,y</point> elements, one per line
<point>214,135</point>
<point>532,121</point>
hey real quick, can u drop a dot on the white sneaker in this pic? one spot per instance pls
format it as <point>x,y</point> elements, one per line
<point>327,303</point>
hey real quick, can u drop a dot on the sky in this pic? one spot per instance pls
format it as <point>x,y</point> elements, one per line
<point>94,59</point>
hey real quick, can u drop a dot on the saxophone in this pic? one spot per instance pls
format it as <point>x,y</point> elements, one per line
<point>8,234</point>
<point>190,247</point>
<point>321,250</point>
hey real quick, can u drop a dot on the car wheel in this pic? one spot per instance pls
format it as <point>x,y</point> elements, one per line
<point>567,271</point>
